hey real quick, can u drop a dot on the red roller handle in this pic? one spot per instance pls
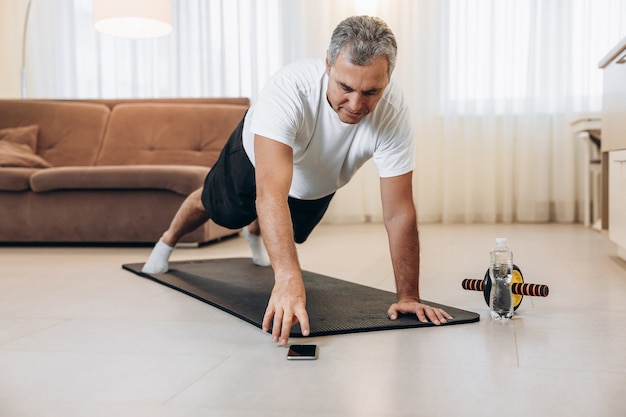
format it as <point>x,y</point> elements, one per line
<point>533,290</point>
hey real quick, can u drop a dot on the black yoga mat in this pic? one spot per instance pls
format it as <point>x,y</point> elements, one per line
<point>242,289</point>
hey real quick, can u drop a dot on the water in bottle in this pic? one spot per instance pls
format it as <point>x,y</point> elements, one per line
<point>500,274</point>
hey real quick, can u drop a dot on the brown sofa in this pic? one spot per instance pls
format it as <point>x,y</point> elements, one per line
<point>107,171</point>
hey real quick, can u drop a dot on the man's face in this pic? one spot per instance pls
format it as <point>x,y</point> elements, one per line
<point>354,90</point>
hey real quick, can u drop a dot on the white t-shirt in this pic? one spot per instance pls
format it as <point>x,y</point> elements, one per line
<point>293,109</point>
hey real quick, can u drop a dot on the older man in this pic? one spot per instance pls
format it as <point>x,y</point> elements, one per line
<point>313,126</point>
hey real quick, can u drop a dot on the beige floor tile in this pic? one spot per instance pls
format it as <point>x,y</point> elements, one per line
<point>80,336</point>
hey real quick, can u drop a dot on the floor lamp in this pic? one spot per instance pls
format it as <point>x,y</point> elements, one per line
<point>23,69</point>
<point>134,19</point>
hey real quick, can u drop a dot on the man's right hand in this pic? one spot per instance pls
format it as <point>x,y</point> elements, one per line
<point>286,307</point>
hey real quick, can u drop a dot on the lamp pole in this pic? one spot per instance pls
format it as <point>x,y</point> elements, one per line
<point>23,71</point>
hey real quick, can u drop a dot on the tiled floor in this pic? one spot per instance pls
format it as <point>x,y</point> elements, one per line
<point>79,336</point>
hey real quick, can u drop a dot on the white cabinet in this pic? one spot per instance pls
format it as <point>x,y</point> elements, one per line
<point>617,200</point>
<point>614,141</point>
<point>614,99</point>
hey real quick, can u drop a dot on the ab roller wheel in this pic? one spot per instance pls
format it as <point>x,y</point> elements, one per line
<point>518,288</point>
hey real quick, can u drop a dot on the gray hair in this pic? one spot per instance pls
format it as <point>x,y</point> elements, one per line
<point>364,38</point>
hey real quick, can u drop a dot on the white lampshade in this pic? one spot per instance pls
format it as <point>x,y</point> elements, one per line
<point>135,19</point>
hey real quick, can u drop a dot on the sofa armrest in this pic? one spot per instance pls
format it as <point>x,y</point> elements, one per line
<point>177,178</point>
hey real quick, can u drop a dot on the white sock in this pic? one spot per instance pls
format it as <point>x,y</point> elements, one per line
<point>157,262</point>
<point>259,253</point>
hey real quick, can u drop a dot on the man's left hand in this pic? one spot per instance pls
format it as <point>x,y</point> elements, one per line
<point>423,312</point>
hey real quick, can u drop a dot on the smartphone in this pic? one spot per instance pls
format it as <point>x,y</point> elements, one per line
<point>302,352</point>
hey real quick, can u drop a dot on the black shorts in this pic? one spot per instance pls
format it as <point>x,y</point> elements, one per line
<point>229,194</point>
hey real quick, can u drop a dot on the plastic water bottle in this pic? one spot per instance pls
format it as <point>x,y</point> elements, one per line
<point>500,273</point>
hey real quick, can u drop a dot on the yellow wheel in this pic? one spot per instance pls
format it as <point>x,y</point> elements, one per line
<point>519,279</point>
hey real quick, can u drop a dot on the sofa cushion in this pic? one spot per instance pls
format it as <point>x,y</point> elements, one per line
<point>179,179</point>
<point>17,155</point>
<point>24,135</point>
<point>16,179</point>
<point>168,134</point>
<point>18,146</point>
<point>69,133</point>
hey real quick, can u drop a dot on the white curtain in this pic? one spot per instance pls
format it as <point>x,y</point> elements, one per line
<point>492,85</point>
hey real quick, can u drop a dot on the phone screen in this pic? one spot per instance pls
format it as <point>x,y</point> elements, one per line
<point>302,352</point>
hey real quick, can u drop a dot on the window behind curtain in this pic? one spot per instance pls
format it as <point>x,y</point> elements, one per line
<point>507,55</point>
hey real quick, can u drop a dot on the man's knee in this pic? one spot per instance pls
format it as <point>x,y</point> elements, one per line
<point>195,200</point>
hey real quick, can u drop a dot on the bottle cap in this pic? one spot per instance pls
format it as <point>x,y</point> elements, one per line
<point>500,241</point>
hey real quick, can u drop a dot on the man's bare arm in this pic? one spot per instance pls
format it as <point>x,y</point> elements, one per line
<point>401,224</point>
<point>287,305</point>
